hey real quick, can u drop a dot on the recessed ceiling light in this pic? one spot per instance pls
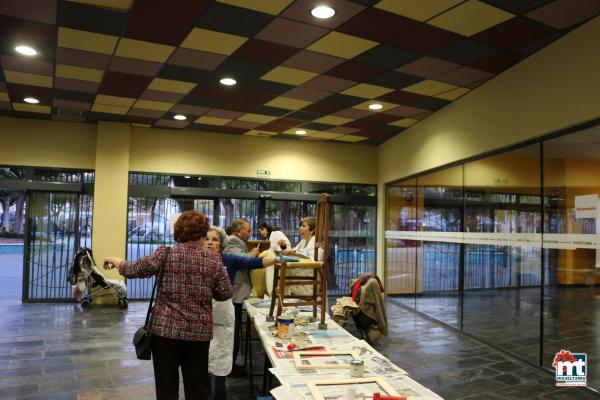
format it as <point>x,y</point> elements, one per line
<point>228,81</point>
<point>187,177</point>
<point>322,12</point>
<point>31,100</point>
<point>26,50</point>
<point>375,106</point>
<point>180,117</point>
<point>300,132</point>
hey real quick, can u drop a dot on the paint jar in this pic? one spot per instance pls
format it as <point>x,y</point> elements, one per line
<point>356,368</point>
<point>285,327</point>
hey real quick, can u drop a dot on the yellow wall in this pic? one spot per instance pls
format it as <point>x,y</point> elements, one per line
<point>190,152</point>
<point>31,142</point>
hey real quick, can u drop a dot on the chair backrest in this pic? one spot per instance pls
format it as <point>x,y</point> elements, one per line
<point>322,228</point>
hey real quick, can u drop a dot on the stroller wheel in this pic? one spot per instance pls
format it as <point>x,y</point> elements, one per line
<point>123,304</point>
<point>85,303</point>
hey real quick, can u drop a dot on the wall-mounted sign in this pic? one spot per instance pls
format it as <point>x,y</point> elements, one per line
<point>586,206</point>
<point>263,173</point>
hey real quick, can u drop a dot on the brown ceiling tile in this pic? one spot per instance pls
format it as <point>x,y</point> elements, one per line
<point>76,85</point>
<point>423,115</point>
<point>124,85</point>
<point>243,124</point>
<point>166,22</point>
<point>299,10</point>
<point>425,38</point>
<point>5,105</point>
<point>133,66</point>
<point>306,93</point>
<point>77,105</point>
<point>355,71</point>
<point>402,97</point>
<point>311,61</point>
<point>196,59</point>
<point>497,62</point>
<point>172,123</point>
<point>562,14</point>
<point>187,109</point>
<point>262,51</point>
<point>231,130</point>
<point>427,67</point>
<point>405,111</point>
<point>2,87</point>
<point>27,65</point>
<point>140,112</point>
<point>463,76</point>
<point>18,92</point>
<point>31,115</point>
<point>158,95</point>
<point>329,83</point>
<point>377,25</point>
<point>322,108</point>
<point>353,113</point>
<point>281,124</point>
<point>81,58</point>
<point>136,119</point>
<point>343,130</point>
<point>291,33</point>
<point>216,92</point>
<point>514,33</point>
<point>245,101</point>
<point>227,114</point>
<point>34,10</point>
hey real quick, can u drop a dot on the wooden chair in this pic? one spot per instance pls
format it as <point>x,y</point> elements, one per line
<point>320,269</point>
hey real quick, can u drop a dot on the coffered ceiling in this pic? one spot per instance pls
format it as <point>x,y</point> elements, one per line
<point>146,61</point>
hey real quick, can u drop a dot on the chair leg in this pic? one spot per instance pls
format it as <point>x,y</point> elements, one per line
<point>281,296</point>
<point>274,289</point>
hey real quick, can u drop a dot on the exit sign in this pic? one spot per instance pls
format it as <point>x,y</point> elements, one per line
<point>263,173</point>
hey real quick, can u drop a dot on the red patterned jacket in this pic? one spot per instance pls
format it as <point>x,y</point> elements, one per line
<point>193,277</point>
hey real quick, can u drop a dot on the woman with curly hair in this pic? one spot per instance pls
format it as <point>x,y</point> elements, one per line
<point>183,320</point>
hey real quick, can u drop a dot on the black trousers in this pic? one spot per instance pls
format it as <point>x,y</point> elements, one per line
<point>236,330</point>
<point>170,354</point>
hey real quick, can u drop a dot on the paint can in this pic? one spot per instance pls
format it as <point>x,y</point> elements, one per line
<point>285,327</point>
<point>356,368</point>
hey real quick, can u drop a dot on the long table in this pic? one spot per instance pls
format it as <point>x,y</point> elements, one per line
<point>294,382</point>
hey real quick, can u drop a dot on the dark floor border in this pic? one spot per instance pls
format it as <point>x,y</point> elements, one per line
<point>483,341</point>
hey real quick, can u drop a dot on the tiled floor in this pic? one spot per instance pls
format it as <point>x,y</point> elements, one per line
<point>54,351</point>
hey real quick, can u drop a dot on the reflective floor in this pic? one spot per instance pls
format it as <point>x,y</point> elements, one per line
<point>53,351</point>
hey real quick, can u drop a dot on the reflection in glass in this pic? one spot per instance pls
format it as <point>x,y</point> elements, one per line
<point>502,279</point>
<point>572,290</point>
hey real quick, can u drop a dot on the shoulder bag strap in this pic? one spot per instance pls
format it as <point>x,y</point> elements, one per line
<point>156,288</point>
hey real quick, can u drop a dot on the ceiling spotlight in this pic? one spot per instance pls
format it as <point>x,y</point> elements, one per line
<point>31,100</point>
<point>322,12</point>
<point>300,132</point>
<point>26,50</point>
<point>180,117</point>
<point>187,177</point>
<point>228,81</point>
<point>375,106</point>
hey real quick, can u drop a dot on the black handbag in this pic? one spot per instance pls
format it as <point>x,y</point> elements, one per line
<point>142,339</point>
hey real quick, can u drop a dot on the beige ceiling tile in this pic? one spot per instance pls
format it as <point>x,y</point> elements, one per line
<point>325,135</point>
<point>122,5</point>
<point>351,138</point>
<point>212,41</point>
<point>144,50</point>
<point>114,100</point>
<point>288,103</point>
<point>421,10</point>
<point>260,118</point>
<point>333,120</point>
<point>36,108</point>
<point>153,105</point>
<point>212,120</point>
<point>4,96</point>
<point>429,87</point>
<point>109,109</point>
<point>341,45</point>
<point>80,73</point>
<point>87,41</point>
<point>470,18</point>
<point>28,79</point>
<point>404,123</point>
<point>168,85</point>
<point>260,133</point>
<point>291,76</point>
<point>367,91</point>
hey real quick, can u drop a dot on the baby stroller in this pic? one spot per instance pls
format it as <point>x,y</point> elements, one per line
<point>88,282</point>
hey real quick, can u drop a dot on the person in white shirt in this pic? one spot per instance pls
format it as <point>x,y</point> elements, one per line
<point>306,246</point>
<point>277,238</point>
